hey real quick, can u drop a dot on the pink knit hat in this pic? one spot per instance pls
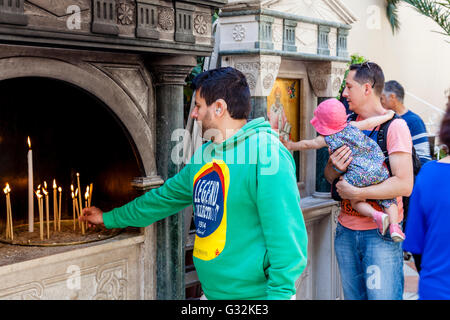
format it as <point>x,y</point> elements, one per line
<point>329,117</point>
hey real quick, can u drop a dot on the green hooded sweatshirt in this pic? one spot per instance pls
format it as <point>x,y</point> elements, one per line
<point>251,240</point>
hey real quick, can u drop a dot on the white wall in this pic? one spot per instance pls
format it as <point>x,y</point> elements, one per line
<point>415,56</point>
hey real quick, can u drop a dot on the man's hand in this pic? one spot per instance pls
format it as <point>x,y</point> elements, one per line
<point>347,191</point>
<point>92,215</point>
<point>341,158</point>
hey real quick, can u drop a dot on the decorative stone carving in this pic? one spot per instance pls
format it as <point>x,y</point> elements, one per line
<point>200,24</point>
<point>251,80</point>
<point>112,281</point>
<point>261,71</point>
<point>166,19</point>
<point>13,12</point>
<point>265,35</point>
<point>238,32</point>
<point>104,17</point>
<point>326,77</point>
<point>337,83</point>
<point>125,13</point>
<point>133,80</point>
<point>268,81</point>
<point>146,21</point>
<point>342,43</point>
<point>103,282</point>
<point>323,47</point>
<point>183,22</point>
<point>30,291</point>
<point>172,70</point>
<point>289,27</point>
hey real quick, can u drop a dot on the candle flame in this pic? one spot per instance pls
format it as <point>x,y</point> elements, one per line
<point>7,189</point>
<point>71,187</point>
<point>29,142</point>
<point>60,189</point>
<point>86,195</point>
<point>73,196</point>
<point>38,194</point>
<point>45,185</point>
<point>54,183</point>
<point>76,192</point>
<point>45,192</point>
<point>78,174</point>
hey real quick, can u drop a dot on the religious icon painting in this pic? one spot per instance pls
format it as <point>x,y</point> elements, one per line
<point>283,108</point>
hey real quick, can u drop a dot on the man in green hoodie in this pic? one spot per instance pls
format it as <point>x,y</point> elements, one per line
<point>251,240</point>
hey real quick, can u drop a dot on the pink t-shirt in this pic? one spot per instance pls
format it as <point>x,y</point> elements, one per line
<point>398,140</point>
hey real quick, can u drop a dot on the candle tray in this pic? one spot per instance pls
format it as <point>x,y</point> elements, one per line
<point>66,237</point>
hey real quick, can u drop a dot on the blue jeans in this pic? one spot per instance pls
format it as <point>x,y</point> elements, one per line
<point>371,265</point>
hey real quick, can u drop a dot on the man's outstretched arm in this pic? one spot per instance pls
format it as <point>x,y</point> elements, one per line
<point>174,195</point>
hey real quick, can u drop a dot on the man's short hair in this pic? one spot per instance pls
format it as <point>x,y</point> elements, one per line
<point>228,84</point>
<point>395,88</point>
<point>369,72</point>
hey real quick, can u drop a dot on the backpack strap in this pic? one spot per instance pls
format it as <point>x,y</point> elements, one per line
<point>382,140</point>
<point>352,117</point>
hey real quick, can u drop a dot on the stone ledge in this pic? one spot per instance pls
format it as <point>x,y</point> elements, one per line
<point>315,208</point>
<point>49,255</point>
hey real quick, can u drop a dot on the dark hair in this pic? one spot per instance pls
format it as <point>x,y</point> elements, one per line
<point>444,134</point>
<point>369,72</point>
<point>228,84</point>
<point>395,88</point>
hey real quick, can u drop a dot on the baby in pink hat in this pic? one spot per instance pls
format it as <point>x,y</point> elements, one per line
<point>366,168</point>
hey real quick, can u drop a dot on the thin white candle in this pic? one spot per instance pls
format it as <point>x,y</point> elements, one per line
<point>47,209</point>
<point>41,213</point>
<point>59,209</point>
<point>30,189</point>
<point>8,229</point>
<point>55,206</point>
<point>80,202</point>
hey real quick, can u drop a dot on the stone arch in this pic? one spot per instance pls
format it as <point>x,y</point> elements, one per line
<point>96,83</point>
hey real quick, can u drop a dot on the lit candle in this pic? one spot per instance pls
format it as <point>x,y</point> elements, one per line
<point>86,198</point>
<point>59,209</point>
<point>41,215</point>
<point>30,188</point>
<point>47,209</point>
<point>9,224</point>
<point>10,213</point>
<point>55,206</point>
<point>80,202</point>
<point>5,190</point>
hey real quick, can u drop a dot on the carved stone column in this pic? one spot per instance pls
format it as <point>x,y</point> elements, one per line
<point>326,79</point>
<point>169,77</point>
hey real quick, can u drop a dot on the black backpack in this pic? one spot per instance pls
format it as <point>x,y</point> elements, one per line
<point>382,142</point>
